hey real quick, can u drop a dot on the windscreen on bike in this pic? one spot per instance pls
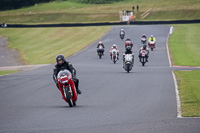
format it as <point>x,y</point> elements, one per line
<point>64,75</point>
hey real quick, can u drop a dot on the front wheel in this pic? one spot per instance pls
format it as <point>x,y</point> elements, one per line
<point>143,61</point>
<point>151,49</point>
<point>68,97</point>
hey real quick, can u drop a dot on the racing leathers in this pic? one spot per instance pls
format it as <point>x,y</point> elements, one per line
<point>68,66</point>
<point>140,54</point>
<point>111,52</point>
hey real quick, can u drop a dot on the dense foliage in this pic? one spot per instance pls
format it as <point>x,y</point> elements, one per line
<point>95,1</point>
<point>15,4</point>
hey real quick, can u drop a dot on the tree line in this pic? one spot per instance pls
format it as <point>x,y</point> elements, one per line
<point>15,4</point>
<point>96,1</point>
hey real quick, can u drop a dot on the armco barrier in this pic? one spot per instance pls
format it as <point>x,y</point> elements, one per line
<point>103,24</point>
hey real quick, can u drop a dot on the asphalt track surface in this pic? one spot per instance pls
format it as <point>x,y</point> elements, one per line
<point>112,100</point>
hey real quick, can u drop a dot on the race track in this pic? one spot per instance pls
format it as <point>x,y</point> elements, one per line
<point>112,100</point>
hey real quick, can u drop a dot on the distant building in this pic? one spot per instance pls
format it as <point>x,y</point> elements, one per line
<point>125,16</point>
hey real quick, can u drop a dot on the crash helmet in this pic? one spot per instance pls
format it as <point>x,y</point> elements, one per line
<point>144,46</point>
<point>100,42</point>
<point>122,29</point>
<point>114,46</point>
<point>60,59</point>
<point>143,35</point>
<point>151,35</point>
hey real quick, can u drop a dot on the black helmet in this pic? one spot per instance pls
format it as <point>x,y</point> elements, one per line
<point>144,46</point>
<point>60,57</point>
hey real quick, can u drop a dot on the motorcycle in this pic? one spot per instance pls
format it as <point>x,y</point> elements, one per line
<point>114,55</point>
<point>128,62</point>
<point>143,57</point>
<point>122,36</point>
<point>143,40</point>
<point>152,45</point>
<point>67,87</point>
<point>100,51</point>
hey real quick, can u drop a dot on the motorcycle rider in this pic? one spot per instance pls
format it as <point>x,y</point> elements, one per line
<point>146,49</point>
<point>100,44</point>
<point>152,38</point>
<point>114,46</point>
<point>128,51</point>
<point>128,43</point>
<point>61,65</point>
<point>143,36</point>
<point>122,32</point>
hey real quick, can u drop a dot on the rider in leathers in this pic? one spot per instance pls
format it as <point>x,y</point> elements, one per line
<point>61,65</point>
<point>100,44</point>
<point>146,49</point>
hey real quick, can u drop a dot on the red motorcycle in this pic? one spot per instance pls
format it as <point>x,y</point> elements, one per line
<point>67,87</point>
<point>152,45</point>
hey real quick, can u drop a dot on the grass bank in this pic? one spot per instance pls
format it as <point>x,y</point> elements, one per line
<point>41,45</point>
<point>8,72</point>
<point>184,49</point>
<point>189,89</point>
<point>184,45</point>
<point>71,12</point>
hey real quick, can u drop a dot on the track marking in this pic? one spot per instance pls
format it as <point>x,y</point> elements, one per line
<point>170,63</point>
<point>178,101</point>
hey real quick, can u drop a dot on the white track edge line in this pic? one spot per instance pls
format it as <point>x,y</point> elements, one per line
<point>178,102</point>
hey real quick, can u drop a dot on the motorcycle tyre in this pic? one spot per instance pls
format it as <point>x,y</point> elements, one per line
<point>69,97</point>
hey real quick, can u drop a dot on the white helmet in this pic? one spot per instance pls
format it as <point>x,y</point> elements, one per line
<point>114,46</point>
<point>122,29</point>
<point>151,35</point>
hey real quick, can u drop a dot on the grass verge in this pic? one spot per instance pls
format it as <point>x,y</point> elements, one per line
<point>184,45</point>
<point>41,45</point>
<point>8,72</point>
<point>184,49</point>
<point>189,90</point>
<point>71,12</point>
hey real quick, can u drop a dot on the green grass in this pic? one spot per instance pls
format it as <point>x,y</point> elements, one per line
<point>8,72</point>
<point>71,12</point>
<point>189,89</point>
<point>184,45</point>
<point>41,45</point>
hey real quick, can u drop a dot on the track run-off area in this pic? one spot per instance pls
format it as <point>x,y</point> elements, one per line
<point>112,100</point>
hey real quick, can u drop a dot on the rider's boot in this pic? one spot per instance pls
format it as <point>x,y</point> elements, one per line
<point>76,81</point>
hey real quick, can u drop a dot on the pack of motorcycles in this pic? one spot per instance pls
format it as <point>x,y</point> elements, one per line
<point>67,86</point>
<point>128,59</point>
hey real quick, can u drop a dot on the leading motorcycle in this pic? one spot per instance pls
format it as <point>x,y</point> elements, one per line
<point>67,87</point>
<point>128,62</point>
<point>122,36</point>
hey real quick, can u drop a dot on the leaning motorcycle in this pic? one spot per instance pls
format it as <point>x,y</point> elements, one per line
<point>151,45</point>
<point>143,57</point>
<point>100,51</point>
<point>67,87</point>
<point>128,62</point>
<point>114,55</point>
